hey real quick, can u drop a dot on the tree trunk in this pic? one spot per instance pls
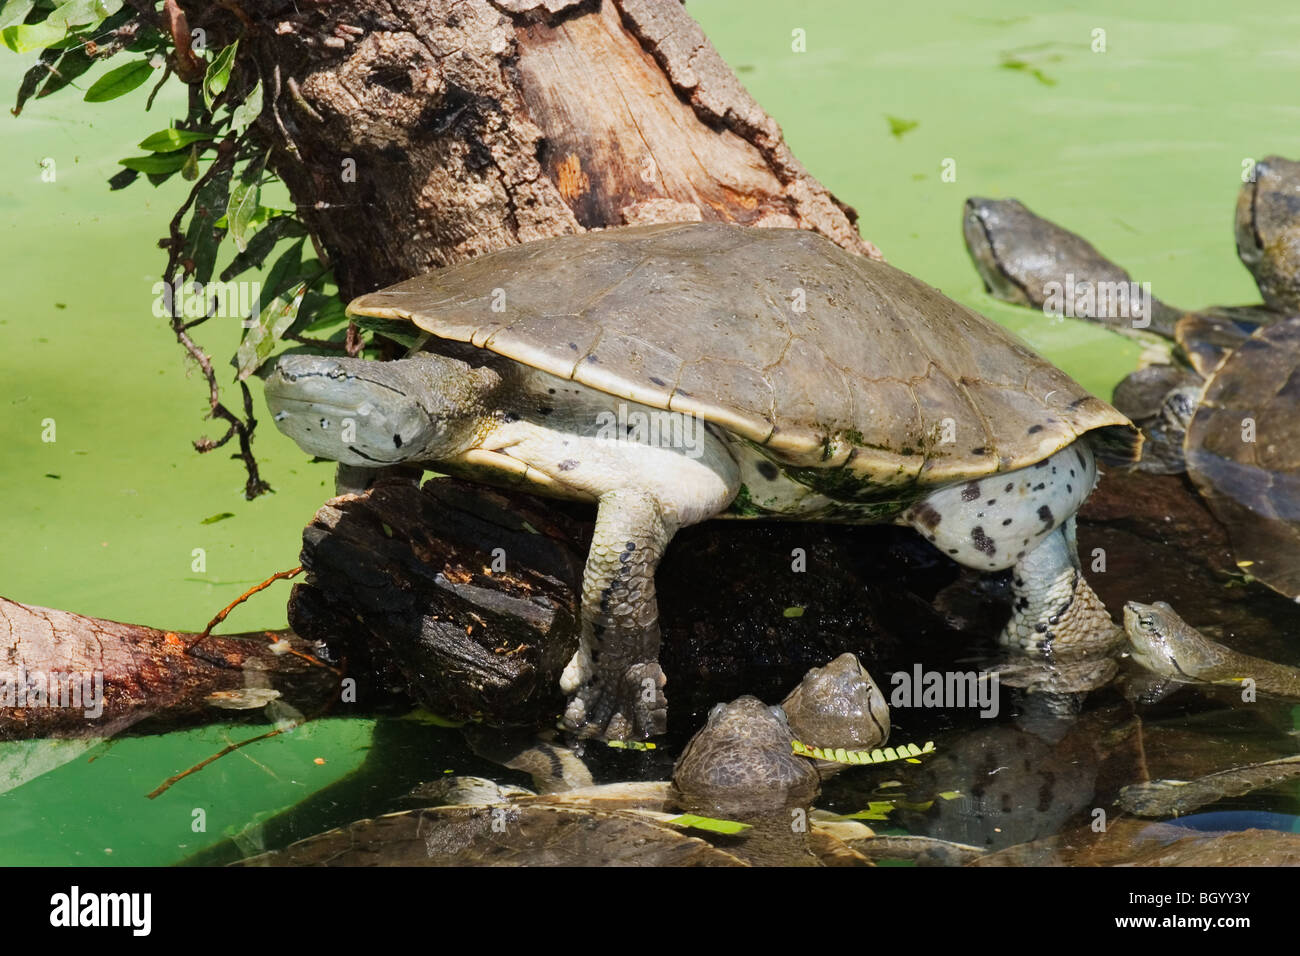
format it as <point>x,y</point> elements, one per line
<point>425,132</point>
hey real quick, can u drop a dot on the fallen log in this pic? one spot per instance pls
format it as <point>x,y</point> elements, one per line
<point>67,675</point>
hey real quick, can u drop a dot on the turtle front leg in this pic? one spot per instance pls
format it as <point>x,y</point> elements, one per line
<point>614,680</point>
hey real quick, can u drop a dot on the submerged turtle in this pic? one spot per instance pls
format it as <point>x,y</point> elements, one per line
<point>1166,645</point>
<point>1227,409</point>
<point>740,767</point>
<point>680,372</point>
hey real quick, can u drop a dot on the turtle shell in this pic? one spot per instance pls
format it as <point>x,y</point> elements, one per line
<point>1209,336</point>
<point>823,358</point>
<point>1252,481</point>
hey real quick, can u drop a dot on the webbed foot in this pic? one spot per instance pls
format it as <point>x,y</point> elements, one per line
<point>630,706</point>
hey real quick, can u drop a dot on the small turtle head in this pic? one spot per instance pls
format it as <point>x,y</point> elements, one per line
<point>741,764</point>
<point>839,705</point>
<point>1176,412</point>
<point>1268,231</point>
<point>372,414</point>
<point>1148,628</point>
<point>1026,260</point>
<point>992,228</point>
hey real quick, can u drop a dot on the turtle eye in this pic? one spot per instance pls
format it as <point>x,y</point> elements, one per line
<point>716,712</point>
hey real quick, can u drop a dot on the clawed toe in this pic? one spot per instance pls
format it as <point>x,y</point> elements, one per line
<point>630,707</point>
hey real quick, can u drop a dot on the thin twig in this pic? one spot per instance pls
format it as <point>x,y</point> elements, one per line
<point>221,615</point>
<point>329,705</point>
<point>148,104</point>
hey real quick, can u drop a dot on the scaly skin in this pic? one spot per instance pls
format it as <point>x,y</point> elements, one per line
<point>739,766</point>
<point>619,643</point>
<point>1166,645</point>
<point>836,706</point>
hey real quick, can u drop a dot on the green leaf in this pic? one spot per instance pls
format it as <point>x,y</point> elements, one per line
<point>876,810</point>
<point>33,78</point>
<point>71,65</point>
<point>709,823</point>
<point>118,82</point>
<point>15,11</point>
<point>25,37</point>
<point>287,269</point>
<point>248,110</point>
<point>795,611</point>
<point>217,77</point>
<point>202,237</point>
<point>190,171</point>
<point>261,340</point>
<point>402,332</point>
<point>240,211</point>
<point>262,243</point>
<point>325,312</point>
<point>168,140</point>
<point>155,163</point>
<point>897,126</point>
<point>213,519</point>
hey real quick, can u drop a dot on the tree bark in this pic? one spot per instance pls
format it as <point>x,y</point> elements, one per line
<point>417,133</point>
<point>59,668</point>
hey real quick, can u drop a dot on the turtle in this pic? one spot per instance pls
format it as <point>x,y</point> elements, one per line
<point>1172,798</point>
<point>1169,647</point>
<point>741,766</point>
<point>1225,407</point>
<point>678,372</point>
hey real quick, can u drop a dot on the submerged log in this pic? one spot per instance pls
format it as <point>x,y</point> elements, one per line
<point>467,597</point>
<point>66,675</point>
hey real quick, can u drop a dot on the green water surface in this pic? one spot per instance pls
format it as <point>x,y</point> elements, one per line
<point>1140,148</point>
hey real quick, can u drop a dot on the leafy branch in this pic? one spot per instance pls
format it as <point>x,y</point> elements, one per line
<point>224,145</point>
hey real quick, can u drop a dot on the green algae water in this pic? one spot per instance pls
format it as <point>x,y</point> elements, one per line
<point>1135,137</point>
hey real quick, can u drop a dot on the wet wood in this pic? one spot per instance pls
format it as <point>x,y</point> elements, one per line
<point>66,675</point>
<point>466,598</point>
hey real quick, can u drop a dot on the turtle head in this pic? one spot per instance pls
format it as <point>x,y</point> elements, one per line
<point>1268,231</point>
<point>1026,260</point>
<point>371,414</point>
<point>994,229</point>
<point>1149,627</point>
<point>838,705</point>
<point>741,764</point>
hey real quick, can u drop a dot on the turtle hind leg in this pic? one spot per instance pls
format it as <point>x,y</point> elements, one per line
<point>1060,636</point>
<point>1054,611</point>
<point>614,680</point>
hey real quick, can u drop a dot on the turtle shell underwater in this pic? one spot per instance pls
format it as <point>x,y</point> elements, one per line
<point>679,372</point>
